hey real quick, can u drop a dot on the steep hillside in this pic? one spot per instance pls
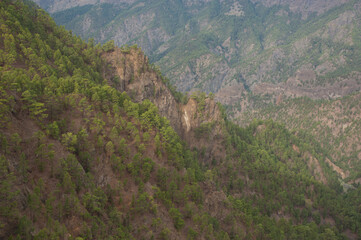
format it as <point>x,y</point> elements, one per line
<point>86,154</point>
<point>335,124</point>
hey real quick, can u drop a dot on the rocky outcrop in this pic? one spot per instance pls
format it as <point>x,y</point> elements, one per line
<point>199,124</point>
<point>204,128</point>
<point>140,82</point>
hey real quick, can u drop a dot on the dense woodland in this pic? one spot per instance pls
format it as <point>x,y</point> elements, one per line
<point>81,160</point>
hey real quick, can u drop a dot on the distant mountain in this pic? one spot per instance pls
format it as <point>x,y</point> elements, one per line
<point>211,45</point>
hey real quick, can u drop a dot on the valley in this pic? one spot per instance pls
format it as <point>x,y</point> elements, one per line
<point>97,143</point>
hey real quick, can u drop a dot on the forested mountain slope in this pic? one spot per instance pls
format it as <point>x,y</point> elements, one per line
<point>335,124</point>
<point>84,155</point>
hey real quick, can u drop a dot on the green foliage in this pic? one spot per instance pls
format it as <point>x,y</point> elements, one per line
<point>70,141</point>
<point>109,148</point>
<point>200,98</point>
<point>53,130</point>
<point>95,201</point>
<point>260,166</point>
<point>125,48</point>
<point>177,218</point>
<point>108,46</point>
<point>204,129</point>
<point>8,194</point>
<point>5,104</point>
<point>145,203</point>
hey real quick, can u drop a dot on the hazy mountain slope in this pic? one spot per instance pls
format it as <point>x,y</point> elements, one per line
<point>79,159</point>
<point>212,44</point>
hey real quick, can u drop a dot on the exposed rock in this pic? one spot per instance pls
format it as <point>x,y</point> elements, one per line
<point>316,169</point>
<point>231,94</point>
<point>145,84</point>
<point>191,76</point>
<point>337,169</point>
<point>184,118</point>
<point>339,29</point>
<point>236,10</point>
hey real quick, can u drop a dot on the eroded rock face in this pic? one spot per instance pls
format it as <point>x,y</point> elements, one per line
<point>140,82</point>
<point>203,128</point>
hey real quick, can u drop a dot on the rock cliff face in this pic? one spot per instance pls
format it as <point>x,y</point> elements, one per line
<point>198,122</point>
<point>204,128</point>
<point>140,82</point>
